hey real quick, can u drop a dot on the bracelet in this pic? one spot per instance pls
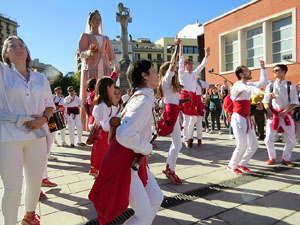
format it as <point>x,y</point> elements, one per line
<point>46,117</point>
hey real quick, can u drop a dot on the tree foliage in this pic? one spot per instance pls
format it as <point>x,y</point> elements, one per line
<point>70,79</point>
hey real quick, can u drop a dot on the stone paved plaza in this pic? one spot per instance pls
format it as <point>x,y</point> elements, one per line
<point>271,199</point>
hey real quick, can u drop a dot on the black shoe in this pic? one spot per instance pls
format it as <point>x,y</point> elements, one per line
<point>72,145</point>
<point>81,144</point>
<point>189,144</point>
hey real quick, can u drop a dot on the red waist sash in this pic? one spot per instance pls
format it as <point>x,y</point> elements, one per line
<point>110,192</point>
<point>74,111</point>
<point>169,118</point>
<point>242,107</point>
<point>275,122</point>
<point>189,108</point>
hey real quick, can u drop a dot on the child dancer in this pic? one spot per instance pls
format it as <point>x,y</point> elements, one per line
<point>169,89</point>
<point>118,184</point>
<point>102,113</point>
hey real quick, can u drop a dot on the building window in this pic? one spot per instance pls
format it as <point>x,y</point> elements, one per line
<point>115,49</point>
<point>137,56</point>
<point>231,52</point>
<point>158,56</point>
<point>170,48</point>
<point>282,39</point>
<point>196,50</point>
<point>168,57</point>
<point>149,57</point>
<point>254,45</point>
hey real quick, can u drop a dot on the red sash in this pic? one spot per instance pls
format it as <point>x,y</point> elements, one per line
<point>110,192</point>
<point>169,118</point>
<point>62,111</point>
<point>189,108</point>
<point>275,121</point>
<point>200,106</point>
<point>99,149</point>
<point>90,101</point>
<point>242,107</point>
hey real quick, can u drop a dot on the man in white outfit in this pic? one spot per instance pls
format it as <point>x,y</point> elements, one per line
<point>188,78</point>
<point>73,103</point>
<point>243,129</point>
<point>279,115</point>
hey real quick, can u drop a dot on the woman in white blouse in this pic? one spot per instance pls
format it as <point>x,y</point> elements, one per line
<point>26,104</point>
<point>118,184</point>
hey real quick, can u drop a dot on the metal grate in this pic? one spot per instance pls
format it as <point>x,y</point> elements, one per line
<point>169,202</point>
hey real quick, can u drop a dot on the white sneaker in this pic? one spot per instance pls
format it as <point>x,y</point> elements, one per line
<point>56,143</point>
<point>64,144</point>
<point>211,132</point>
<point>220,132</point>
<point>231,136</point>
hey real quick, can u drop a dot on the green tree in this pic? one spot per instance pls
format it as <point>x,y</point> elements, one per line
<point>70,79</point>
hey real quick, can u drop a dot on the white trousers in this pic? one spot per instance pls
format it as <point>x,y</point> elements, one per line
<point>71,124</point>
<point>145,201</point>
<point>289,136</point>
<point>49,142</point>
<point>199,127</point>
<point>188,126</point>
<point>14,157</point>
<point>62,135</point>
<point>246,143</point>
<point>175,147</point>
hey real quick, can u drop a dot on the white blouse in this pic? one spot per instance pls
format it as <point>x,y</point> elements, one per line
<point>189,80</point>
<point>22,98</point>
<point>169,96</point>
<point>102,114</point>
<point>135,130</point>
<point>204,84</point>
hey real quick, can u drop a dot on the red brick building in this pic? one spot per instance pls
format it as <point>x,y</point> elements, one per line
<point>265,29</point>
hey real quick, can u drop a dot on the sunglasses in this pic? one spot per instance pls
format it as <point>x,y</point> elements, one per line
<point>71,90</point>
<point>276,70</point>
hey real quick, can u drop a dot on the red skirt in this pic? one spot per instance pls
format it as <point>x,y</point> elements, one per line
<point>189,108</point>
<point>99,149</point>
<point>110,192</point>
<point>169,118</point>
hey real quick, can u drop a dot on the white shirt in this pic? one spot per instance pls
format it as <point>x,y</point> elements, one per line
<point>169,95</point>
<point>199,89</point>
<point>135,130</point>
<point>242,91</point>
<point>102,114</point>
<point>188,80</point>
<point>76,103</point>
<point>282,100</point>
<point>22,98</point>
<point>125,97</point>
<point>59,100</point>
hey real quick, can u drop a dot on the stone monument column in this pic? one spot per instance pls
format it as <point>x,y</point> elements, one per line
<point>124,18</point>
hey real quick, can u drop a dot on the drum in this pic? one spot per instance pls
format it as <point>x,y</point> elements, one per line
<point>56,122</point>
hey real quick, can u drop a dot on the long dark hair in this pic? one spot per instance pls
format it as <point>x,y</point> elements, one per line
<point>5,45</point>
<point>91,84</point>
<point>134,73</point>
<point>101,91</point>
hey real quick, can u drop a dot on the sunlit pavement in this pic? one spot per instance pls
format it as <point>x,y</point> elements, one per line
<point>272,199</point>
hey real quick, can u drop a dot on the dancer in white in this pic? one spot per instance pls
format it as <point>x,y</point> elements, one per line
<point>169,89</point>
<point>188,78</point>
<point>279,115</point>
<point>246,140</point>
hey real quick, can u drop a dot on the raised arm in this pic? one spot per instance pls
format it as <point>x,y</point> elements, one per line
<point>204,61</point>
<point>263,79</point>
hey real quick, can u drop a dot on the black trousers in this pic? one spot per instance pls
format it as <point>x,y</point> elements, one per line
<point>215,117</point>
<point>259,117</point>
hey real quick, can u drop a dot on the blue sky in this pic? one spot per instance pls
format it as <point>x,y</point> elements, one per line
<point>51,29</point>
